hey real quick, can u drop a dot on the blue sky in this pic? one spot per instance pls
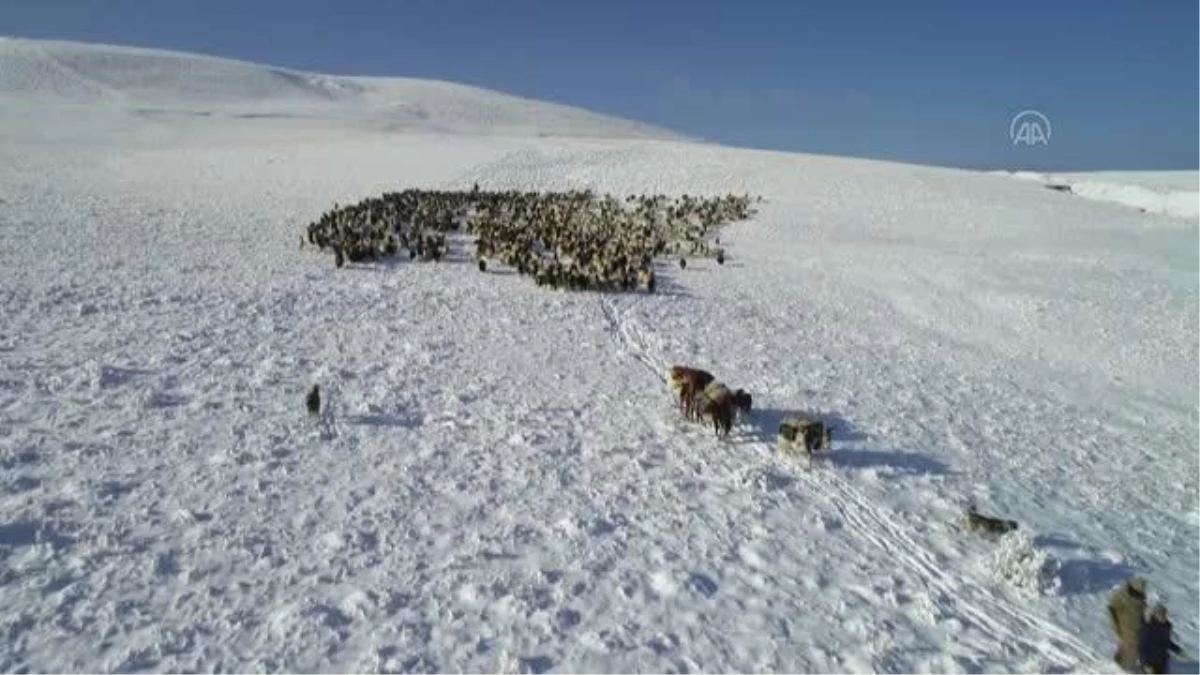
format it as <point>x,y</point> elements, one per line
<point>915,80</point>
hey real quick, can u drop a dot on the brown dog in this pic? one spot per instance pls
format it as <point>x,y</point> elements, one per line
<point>688,382</point>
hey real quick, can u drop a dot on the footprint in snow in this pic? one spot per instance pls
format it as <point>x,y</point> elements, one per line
<point>114,489</point>
<point>25,484</point>
<point>22,457</point>
<point>568,618</point>
<point>536,664</point>
<point>702,584</point>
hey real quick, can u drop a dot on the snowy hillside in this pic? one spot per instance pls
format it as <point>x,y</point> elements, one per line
<point>164,86</point>
<point>507,485</point>
<point>1173,193</point>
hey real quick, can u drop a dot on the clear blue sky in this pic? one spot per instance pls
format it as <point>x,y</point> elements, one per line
<point>917,80</point>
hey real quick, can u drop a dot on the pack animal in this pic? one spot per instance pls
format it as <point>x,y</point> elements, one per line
<point>717,403</point>
<point>688,382</point>
<point>804,432</point>
<point>742,400</point>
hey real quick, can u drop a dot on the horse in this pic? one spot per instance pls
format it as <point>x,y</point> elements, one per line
<point>688,382</point>
<point>716,402</point>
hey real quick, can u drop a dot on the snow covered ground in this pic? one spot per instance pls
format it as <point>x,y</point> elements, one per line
<point>1174,193</point>
<point>505,485</point>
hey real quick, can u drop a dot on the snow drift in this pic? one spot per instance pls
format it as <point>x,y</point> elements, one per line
<point>1172,193</point>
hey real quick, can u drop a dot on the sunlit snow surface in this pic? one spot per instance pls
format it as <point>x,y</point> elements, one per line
<point>502,483</point>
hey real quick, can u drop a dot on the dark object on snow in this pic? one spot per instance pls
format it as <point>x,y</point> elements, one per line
<point>688,382</point>
<point>742,400</point>
<point>977,522</point>
<point>553,237</point>
<point>1155,645</point>
<point>338,258</point>
<point>716,402</point>
<point>803,432</point>
<point>1126,609</point>
<point>721,257</point>
<point>482,265</point>
<point>313,400</point>
<point>1058,188</point>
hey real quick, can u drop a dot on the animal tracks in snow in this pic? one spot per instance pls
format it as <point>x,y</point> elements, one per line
<point>504,486</point>
<point>630,336</point>
<point>952,598</point>
<point>1001,621</point>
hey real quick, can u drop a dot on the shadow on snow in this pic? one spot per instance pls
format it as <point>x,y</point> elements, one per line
<point>764,427</point>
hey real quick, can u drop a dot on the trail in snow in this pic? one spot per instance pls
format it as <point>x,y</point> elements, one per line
<point>875,525</point>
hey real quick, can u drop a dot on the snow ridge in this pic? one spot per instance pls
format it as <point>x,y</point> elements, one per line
<point>179,87</point>
<point>1170,193</point>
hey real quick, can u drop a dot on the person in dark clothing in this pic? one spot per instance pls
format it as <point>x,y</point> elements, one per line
<point>1155,645</point>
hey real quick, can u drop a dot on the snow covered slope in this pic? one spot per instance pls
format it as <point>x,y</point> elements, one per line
<point>506,485</point>
<point>179,87</point>
<point>1174,193</point>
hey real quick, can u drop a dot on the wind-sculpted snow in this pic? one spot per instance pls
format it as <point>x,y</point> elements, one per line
<point>500,480</point>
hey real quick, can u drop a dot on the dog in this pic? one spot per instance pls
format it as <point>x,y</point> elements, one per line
<point>977,522</point>
<point>804,432</point>
<point>688,382</point>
